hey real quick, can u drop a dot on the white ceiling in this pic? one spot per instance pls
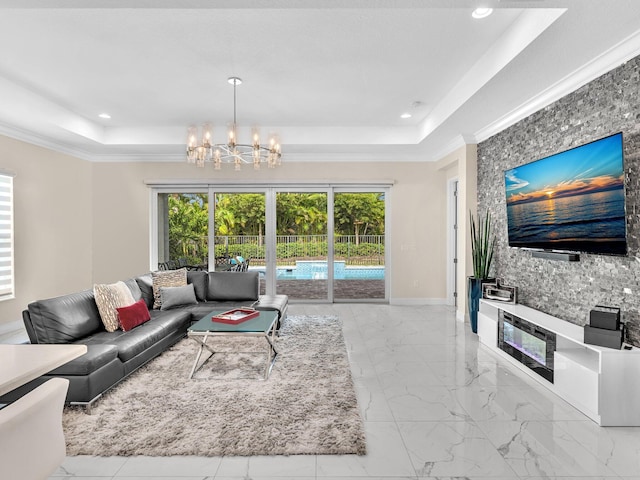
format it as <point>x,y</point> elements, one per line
<point>330,77</point>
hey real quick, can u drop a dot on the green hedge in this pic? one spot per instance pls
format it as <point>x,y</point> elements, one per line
<point>295,250</point>
<point>302,249</point>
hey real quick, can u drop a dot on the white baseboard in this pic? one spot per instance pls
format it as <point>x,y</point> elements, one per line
<point>417,301</point>
<point>461,316</point>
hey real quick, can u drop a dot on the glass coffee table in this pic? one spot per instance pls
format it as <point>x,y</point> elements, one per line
<point>264,325</point>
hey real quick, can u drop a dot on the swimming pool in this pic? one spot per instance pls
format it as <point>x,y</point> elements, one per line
<point>317,270</point>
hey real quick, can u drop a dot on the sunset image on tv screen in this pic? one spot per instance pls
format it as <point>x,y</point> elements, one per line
<point>571,201</point>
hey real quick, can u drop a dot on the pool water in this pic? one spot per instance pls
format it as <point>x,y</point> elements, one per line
<point>315,270</point>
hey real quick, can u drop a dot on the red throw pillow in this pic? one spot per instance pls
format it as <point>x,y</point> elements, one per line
<point>133,315</point>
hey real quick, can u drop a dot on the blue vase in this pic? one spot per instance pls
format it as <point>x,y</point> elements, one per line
<point>474,294</point>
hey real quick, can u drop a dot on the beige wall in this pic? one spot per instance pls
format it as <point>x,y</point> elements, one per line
<point>417,224</point>
<point>53,224</point>
<point>462,164</point>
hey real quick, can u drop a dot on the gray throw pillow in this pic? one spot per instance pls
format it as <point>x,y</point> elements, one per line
<point>177,297</point>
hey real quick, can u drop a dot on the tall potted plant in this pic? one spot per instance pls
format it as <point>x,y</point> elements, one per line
<point>482,244</point>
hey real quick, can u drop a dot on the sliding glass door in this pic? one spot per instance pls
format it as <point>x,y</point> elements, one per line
<point>301,245</point>
<point>313,244</point>
<point>358,245</point>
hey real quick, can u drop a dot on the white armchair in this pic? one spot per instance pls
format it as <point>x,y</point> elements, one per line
<point>32,444</point>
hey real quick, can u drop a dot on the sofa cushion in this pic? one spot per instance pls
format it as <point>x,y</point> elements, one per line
<point>108,298</point>
<point>133,315</point>
<point>145,282</point>
<point>167,278</point>
<point>96,357</point>
<point>225,286</point>
<point>172,297</point>
<point>172,320</point>
<point>64,319</point>
<point>200,280</point>
<point>131,343</point>
<point>135,289</point>
<point>139,339</point>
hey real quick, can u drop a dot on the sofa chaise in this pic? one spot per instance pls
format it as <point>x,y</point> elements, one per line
<point>113,355</point>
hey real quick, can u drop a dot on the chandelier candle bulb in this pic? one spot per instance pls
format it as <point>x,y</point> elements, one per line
<point>206,133</point>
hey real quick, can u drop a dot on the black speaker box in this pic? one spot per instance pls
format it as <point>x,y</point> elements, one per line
<point>605,317</point>
<point>603,337</point>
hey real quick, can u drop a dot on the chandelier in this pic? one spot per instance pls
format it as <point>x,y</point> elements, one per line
<point>232,151</point>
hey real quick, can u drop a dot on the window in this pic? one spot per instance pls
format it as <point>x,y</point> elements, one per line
<point>286,233</point>
<point>6,237</point>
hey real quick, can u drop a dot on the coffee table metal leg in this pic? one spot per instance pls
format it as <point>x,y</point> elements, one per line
<point>203,345</point>
<point>271,350</point>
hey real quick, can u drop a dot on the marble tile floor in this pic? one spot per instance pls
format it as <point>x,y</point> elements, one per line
<point>435,403</point>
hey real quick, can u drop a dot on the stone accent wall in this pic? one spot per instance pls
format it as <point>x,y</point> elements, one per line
<point>568,290</point>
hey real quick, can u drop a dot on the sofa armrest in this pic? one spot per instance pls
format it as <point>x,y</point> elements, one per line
<point>28,325</point>
<point>273,302</point>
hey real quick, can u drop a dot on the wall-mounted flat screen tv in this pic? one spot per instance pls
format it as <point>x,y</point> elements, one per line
<point>573,201</point>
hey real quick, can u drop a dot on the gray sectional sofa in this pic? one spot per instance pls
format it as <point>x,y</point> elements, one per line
<point>111,356</point>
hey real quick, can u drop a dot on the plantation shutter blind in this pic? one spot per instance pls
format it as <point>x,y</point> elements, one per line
<point>6,237</point>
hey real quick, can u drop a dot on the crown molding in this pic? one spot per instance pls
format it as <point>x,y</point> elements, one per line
<point>40,141</point>
<point>607,61</point>
<point>456,143</point>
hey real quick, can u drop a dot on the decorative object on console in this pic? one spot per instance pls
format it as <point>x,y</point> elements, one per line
<point>231,152</point>
<point>482,244</point>
<point>604,327</point>
<point>605,317</point>
<point>499,292</point>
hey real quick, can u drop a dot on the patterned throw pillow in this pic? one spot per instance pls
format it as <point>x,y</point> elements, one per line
<point>167,278</point>
<point>108,298</point>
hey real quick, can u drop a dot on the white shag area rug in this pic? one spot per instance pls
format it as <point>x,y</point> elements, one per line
<point>307,406</point>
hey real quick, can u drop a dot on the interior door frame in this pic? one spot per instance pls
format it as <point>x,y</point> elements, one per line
<point>452,241</point>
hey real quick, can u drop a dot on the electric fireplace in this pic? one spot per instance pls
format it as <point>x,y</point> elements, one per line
<point>530,344</point>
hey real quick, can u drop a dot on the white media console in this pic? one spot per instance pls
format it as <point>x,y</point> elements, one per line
<point>603,383</point>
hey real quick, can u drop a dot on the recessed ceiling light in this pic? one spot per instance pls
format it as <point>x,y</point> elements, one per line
<point>405,115</point>
<point>106,116</point>
<point>482,12</point>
